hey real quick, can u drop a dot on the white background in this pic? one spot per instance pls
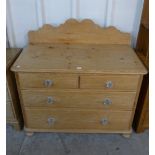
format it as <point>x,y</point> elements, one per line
<point>25,15</point>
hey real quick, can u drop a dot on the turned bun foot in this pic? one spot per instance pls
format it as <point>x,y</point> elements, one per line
<point>29,134</point>
<point>126,135</point>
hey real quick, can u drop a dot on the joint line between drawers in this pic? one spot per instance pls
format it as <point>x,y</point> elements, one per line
<point>78,81</point>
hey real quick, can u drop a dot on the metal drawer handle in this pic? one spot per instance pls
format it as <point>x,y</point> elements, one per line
<point>104,121</point>
<point>51,121</point>
<point>109,84</point>
<point>107,101</point>
<point>50,100</point>
<point>48,83</point>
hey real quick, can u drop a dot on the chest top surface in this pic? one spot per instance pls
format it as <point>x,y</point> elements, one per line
<point>107,59</point>
<point>79,47</point>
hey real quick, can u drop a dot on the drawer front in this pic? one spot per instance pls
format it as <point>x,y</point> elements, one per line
<point>47,80</point>
<point>77,119</point>
<point>78,99</point>
<point>122,82</point>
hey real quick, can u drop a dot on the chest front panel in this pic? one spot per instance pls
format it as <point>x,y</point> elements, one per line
<point>90,86</point>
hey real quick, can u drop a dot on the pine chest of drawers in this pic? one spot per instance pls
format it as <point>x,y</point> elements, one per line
<point>68,86</point>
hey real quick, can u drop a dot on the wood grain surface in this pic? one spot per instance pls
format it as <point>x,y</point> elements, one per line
<point>75,32</point>
<point>77,119</point>
<point>93,99</point>
<point>105,59</point>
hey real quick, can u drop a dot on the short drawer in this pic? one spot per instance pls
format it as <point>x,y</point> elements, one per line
<point>47,80</point>
<point>78,99</point>
<point>70,119</point>
<point>112,82</point>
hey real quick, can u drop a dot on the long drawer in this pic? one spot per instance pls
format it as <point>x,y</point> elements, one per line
<point>47,80</point>
<point>110,82</point>
<point>79,99</point>
<point>70,119</point>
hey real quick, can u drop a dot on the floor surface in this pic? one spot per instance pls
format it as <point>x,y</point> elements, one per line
<point>75,144</point>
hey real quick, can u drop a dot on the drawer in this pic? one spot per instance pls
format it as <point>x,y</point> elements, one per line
<point>111,82</point>
<point>78,99</point>
<point>70,119</point>
<point>47,80</point>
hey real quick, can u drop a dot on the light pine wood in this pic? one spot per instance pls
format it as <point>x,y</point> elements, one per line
<point>79,131</point>
<point>136,98</point>
<point>80,59</point>
<point>77,119</point>
<point>78,32</point>
<point>119,82</point>
<point>78,99</point>
<point>20,97</point>
<point>37,80</point>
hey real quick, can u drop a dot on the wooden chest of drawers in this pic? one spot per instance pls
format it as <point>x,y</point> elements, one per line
<point>78,87</point>
<point>13,110</point>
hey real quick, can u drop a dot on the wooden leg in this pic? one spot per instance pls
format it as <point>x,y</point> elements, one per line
<point>29,134</point>
<point>126,135</point>
<point>16,127</point>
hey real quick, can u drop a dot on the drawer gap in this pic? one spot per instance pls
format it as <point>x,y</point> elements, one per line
<point>78,82</point>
